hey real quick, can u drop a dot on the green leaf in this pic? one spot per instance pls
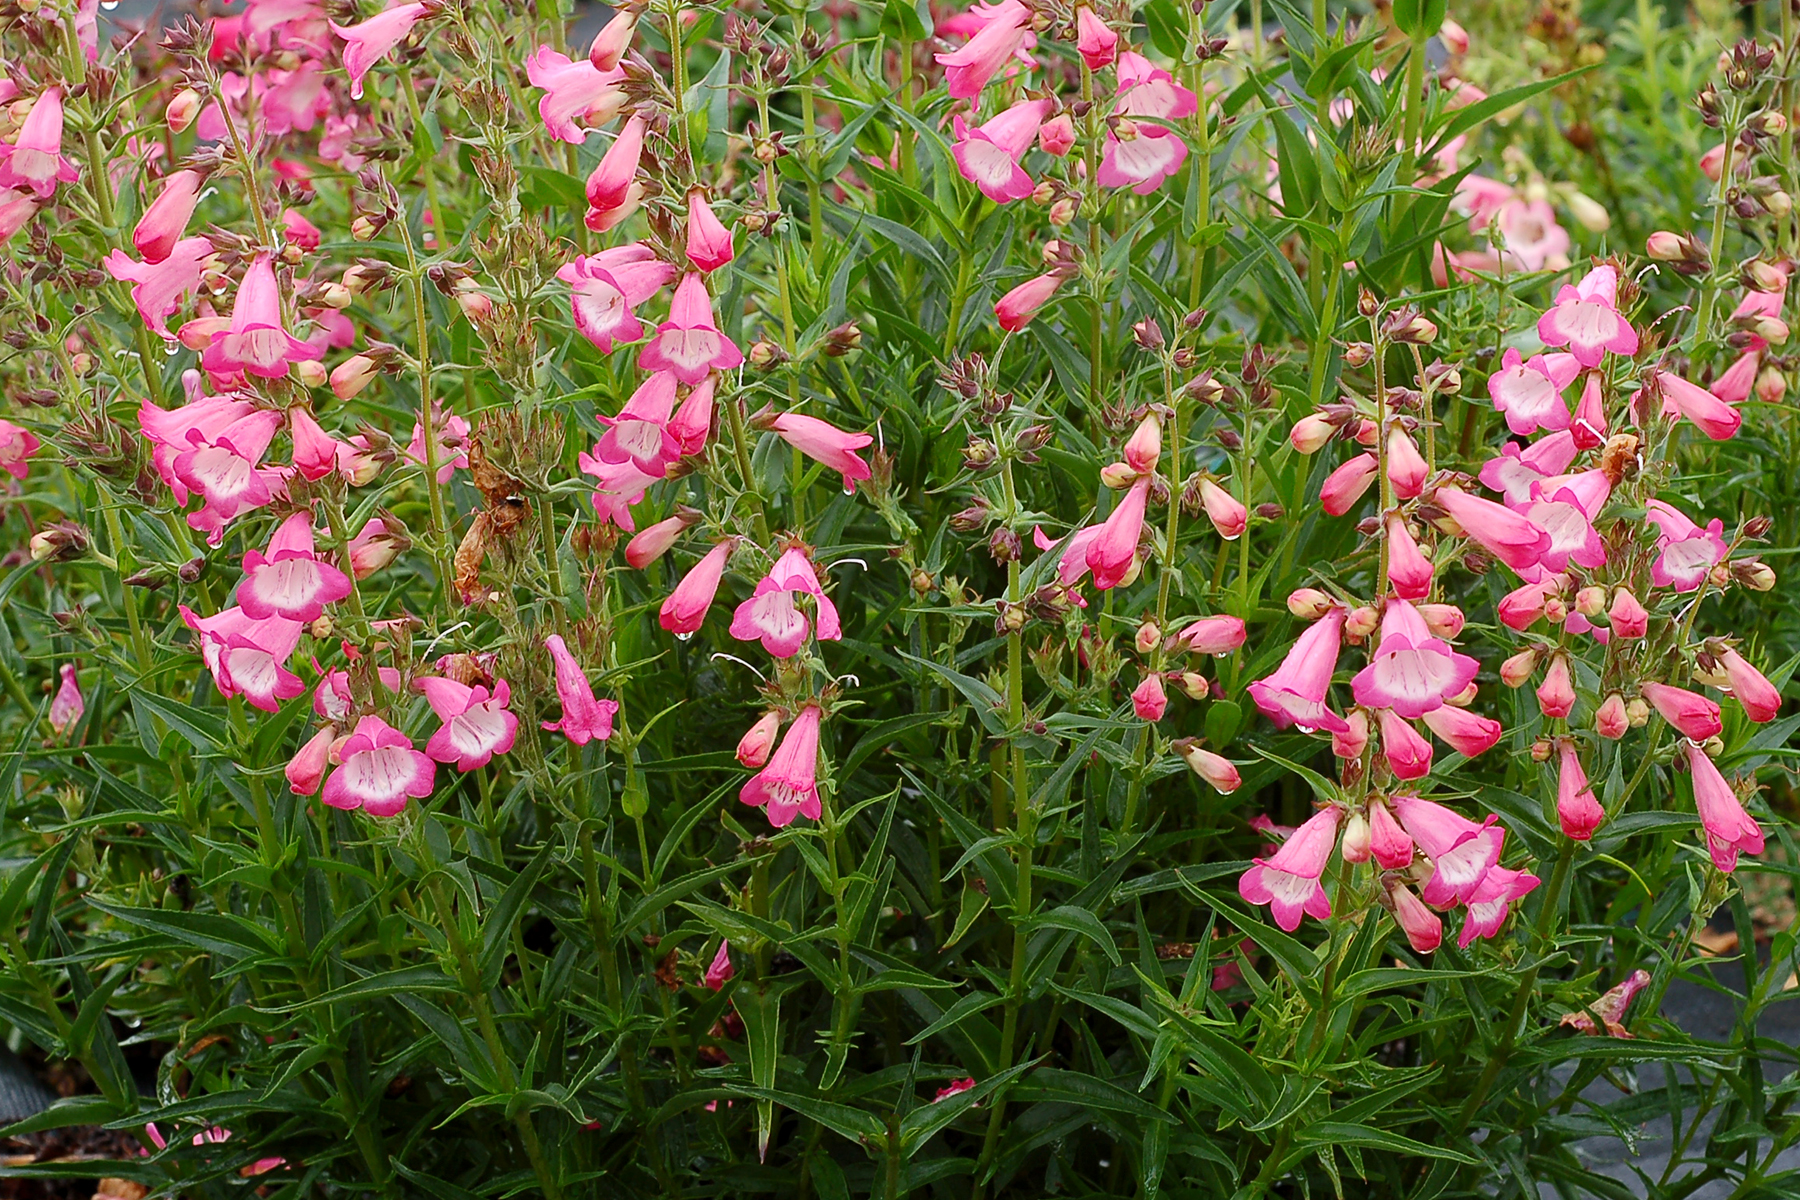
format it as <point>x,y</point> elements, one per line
<point>205,731</point>
<point>1341,1133</point>
<point>1076,920</point>
<point>228,937</point>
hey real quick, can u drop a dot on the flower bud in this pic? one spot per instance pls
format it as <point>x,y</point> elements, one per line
<point>1215,769</point>
<point>1589,213</point>
<point>1118,476</point>
<point>1610,719</point>
<point>1517,670</point>
<point>1309,604</point>
<point>1540,750</point>
<point>1627,617</point>
<point>1556,609</point>
<point>1637,712</point>
<point>1355,845</point>
<point>1753,573</point>
<point>1148,637</point>
<point>1590,601</point>
<point>1144,448</point>
<point>754,747</point>
<point>311,373</point>
<point>1358,354</point>
<point>182,110</point>
<point>1361,623</point>
<point>352,375</point>
<point>1444,620</point>
<point>1312,432</point>
<point>1771,385</point>
<point>1192,684</point>
<point>1005,547</point>
<point>62,542</point>
<point>1779,204</point>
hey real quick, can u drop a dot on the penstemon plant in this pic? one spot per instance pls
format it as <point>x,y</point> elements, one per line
<point>1104,598</point>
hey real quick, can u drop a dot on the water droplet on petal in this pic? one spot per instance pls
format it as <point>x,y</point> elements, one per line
<point>684,637</point>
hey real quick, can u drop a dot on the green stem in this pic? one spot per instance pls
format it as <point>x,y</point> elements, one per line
<point>440,524</point>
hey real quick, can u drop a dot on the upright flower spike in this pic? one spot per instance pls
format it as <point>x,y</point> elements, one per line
<point>988,155</point>
<point>367,43</point>
<point>1462,852</point>
<point>1692,714</point>
<point>708,241</point>
<point>476,724</point>
<point>1113,549</point>
<point>968,69</point>
<point>1586,319</point>
<point>378,771</point>
<point>825,443</point>
<point>689,344</point>
<point>576,93</point>
<point>1295,693</point>
<point>584,718</point>
<point>788,786</point>
<point>1288,882</point>
<point>685,609</point>
<point>1576,809</point>
<point>34,160</point>
<point>257,341</point>
<point>67,706</point>
<point>166,220</point>
<point>770,615</point>
<point>288,579</point>
<point>605,288</point>
<point>1729,829</point>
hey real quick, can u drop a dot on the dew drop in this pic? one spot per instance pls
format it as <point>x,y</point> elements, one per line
<point>171,349</point>
<point>684,637</point>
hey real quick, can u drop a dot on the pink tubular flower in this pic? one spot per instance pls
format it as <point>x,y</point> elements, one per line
<point>1610,719</point>
<point>604,288</point>
<point>164,222</point>
<point>655,541</point>
<point>1530,393</point>
<point>1513,471</point>
<point>1216,636</point>
<point>1140,154</point>
<point>476,724</point>
<point>452,434</point>
<point>1736,383</point>
<point>685,609</point>
<point>1295,693</point>
<point>1711,415</point>
<point>719,973</point>
<point>1576,809</point>
<point>1586,319</point>
<point>17,445</point>
<point>288,579</point>
<point>1097,44</point>
<point>297,231</point>
<point>1461,851</point>
<point>1691,713</point>
<point>1508,536</point>
<point>825,443</point>
<point>67,706</point>
<point>1408,570</point>
<point>1589,426</point>
<point>1346,485</point>
<point>1389,842</point>
<point>1610,1008</point>
<point>1111,552</point>
<point>1216,769</point>
<point>968,69</point>
<point>609,187</point>
<point>369,42</point>
<point>378,770</point>
<point>788,786</point>
<point>1687,552</point>
<point>613,40</point>
<point>248,658</point>
<point>34,160</point>
<point>988,155</point>
<point>1760,699</point>
<point>1423,928</point>
<point>620,486</point>
<point>157,288</point>
<point>708,241</point>
<point>333,701</point>
<point>1407,752</point>
<point>692,422</point>
<point>1412,672</point>
<point>1226,512</point>
<point>1463,731</point>
<point>1056,137</point>
<point>1556,695</point>
<point>1289,881</point>
<point>753,748</point>
<point>584,718</point>
<point>315,451</point>
<point>257,341</point>
<point>770,615</point>
<point>223,468</point>
<point>1015,310</point>
<point>1405,465</point>
<point>689,344</point>
<point>1729,829</point>
<point>1489,902</point>
<point>1355,739</point>
<point>640,435</point>
<point>576,92</point>
<point>374,547</point>
<point>1520,608</point>
<point>1627,617</point>
<point>1564,507</point>
<point>306,770</point>
<point>1149,700</point>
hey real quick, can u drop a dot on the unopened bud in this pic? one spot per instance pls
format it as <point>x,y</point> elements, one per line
<point>1358,354</point>
<point>1309,604</point>
<point>1637,712</point>
<point>1540,750</point>
<point>1771,385</point>
<point>1610,719</point>
<point>1589,213</point>
<point>1355,845</point>
<point>62,542</point>
<point>1005,547</point>
<point>1754,574</point>
<point>1590,601</point>
<point>765,354</point>
<point>1148,637</point>
<point>1118,476</point>
<point>1517,670</point>
<point>322,627</point>
<point>1361,623</point>
<point>182,110</point>
<point>1192,684</point>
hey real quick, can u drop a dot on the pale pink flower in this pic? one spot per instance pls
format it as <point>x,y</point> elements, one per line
<point>609,186</point>
<point>1729,829</point>
<point>1576,809</point>
<point>988,155</point>
<point>17,445</point>
<point>605,288</point>
<point>655,541</point>
<point>158,288</point>
<point>825,443</point>
<point>369,42</point>
<point>1509,536</point>
<point>1227,513</point>
<point>223,468</point>
<point>1610,1008</point>
<point>34,159</point>
<point>1407,751</point>
<point>1423,928</point>
<point>788,786</point>
<point>1532,238</point>
<point>1147,90</point>
<point>256,341</point>
<point>1002,34</point>
<point>1515,469</point>
<point>306,770</point>
<point>1295,693</point>
<point>1490,900</point>
<point>476,724</point>
<point>1097,44</point>
<point>1467,733</point>
<point>333,700</point>
<point>1711,415</point>
<point>1691,713</point>
<point>1687,553</point>
<point>584,718</point>
<point>1462,852</point>
<point>708,241</point>
<point>166,220</point>
<point>1288,882</point>
<point>685,609</point>
<point>640,435</point>
<point>689,344</point>
<point>771,616</point>
<point>378,769</point>
<point>1586,319</point>
<point>1148,700</point>
<point>1530,391</point>
<point>1015,310</point>
<point>1213,635</point>
<point>452,434</point>
<point>67,705</point>
<point>1411,672</point>
<point>576,93</point>
<point>288,579</point>
<point>753,748</point>
<point>1215,769</point>
<point>16,210</point>
<point>374,547</point>
<point>1110,554</point>
<point>1346,485</point>
<point>247,657</point>
<point>1752,689</point>
<point>719,973</point>
<point>613,40</point>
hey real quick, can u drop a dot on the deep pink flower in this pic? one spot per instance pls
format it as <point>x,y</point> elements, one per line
<point>788,786</point>
<point>306,770</point>
<point>476,724</point>
<point>1111,552</point>
<point>1530,393</point>
<point>1149,700</point>
<point>692,422</point>
<point>685,609</point>
<point>1490,900</point>
<point>315,451</point>
<point>166,220</point>
<point>719,973</point>
<point>1213,635</point>
<point>604,288</point>
<point>223,468</point>
<point>609,186</point>
<point>257,341</point>
<point>689,343</point>
<point>1227,513</point>
<point>34,159</point>
<point>1463,731</point>
<point>1389,842</point>
<point>17,445</point>
<point>708,241</point>
<point>158,288</point>
<point>1688,552</point>
<point>1346,485</point>
<point>288,579</point>
<point>1461,851</point>
<point>1729,829</point>
<point>297,231</point>
<point>1507,535</point>
<point>16,211</point>
<point>1576,809</point>
<point>988,155</point>
<point>613,40</point>
<point>575,92</point>
<point>1760,699</point>
<point>378,769</point>
<point>1711,415</point>
<point>584,718</point>
<point>1564,507</point>
<point>655,541</point>
<point>1405,465</point>
<point>1003,31</point>
<point>758,740</point>
<point>1556,695</point>
<point>1015,310</point>
<point>620,485</point>
<point>640,435</point>
<point>1411,672</point>
<point>369,42</point>
<point>770,615</point>
<point>67,705</point>
<point>825,443</point>
<point>1354,739</point>
<point>1408,570</point>
<point>1295,693</point>
<point>1423,928</point>
<point>1407,751</point>
<point>1610,1008</point>
<point>247,657</point>
<point>1736,383</point>
<point>1589,426</point>
<point>1288,882</point>
<point>1586,319</point>
<point>1097,44</point>
<point>1056,137</point>
<point>1691,713</point>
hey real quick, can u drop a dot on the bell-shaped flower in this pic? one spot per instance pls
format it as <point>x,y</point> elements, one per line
<point>1288,882</point>
<point>1509,536</point>
<point>257,341</point>
<point>1467,733</point>
<point>1016,309</point>
<point>1564,507</point>
<point>609,186</point>
<point>166,220</point>
<point>67,705</point>
<point>685,609</point>
<point>584,718</point>
<point>1406,467</point>
<point>1687,553</point>
<point>306,770</point>
<point>1730,830</point>
<point>1389,843</point>
<point>576,93</point>
<point>1711,415</point>
<point>605,288</point>
<point>1423,928</point>
<point>1691,713</point>
<point>158,288</point>
<point>640,435</point>
<point>1295,693</point>
<point>171,431</point>
<point>1515,469</point>
<point>367,43</point>
<point>223,469</point>
<point>1462,852</point>
<point>1097,44</point>
<point>1346,485</point>
<point>1142,160</point>
<point>34,160</point>
<point>1407,751</point>
<point>758,740</point>
<point>1111,552</point>
<point>1411,672</point>
<point>1752,689</point>
<point>1408,569</point>
<point>825,443</point>
<point>1215,636</point>
<point>1586,319</point>
<point>288,579</point>
<point>1530,391</point>
<point>476,723</point>
<point>248,657</point>
<point>771,616</point>
<point>378,768</point>
<point>1147,90</point>
<point>1003,31</point>
<point>1556,695</point>
<point>988,154</point>
<point>1490,900</point>
<point>689,344</point>
<point>788,786</point>
<point>619,486</point>
<point>708,241</point>
<point>1576,809</point>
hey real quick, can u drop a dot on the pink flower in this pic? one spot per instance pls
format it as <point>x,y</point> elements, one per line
<point>1687,552</point>
<point>968,69</point>
<point>257,341</point>
<point>654,542</point>
<point>1461,851</point>
<point>306,770</point>
<point>298,231</point>
<point>1146,90</point>
<point>1589,426</point>
<point>988,155</point>
<point>689,344</point>
<point>575,91</point>
<point>1227,513</point>
<point>157,288</point>
<point>1056,137</point>
<point>374,547</point>
<point>708,241</point>
<point>1489,901</point>
<point>1737,382</point>
<point>34,160</point>
<point>1295,693</point>
<point>1405,465</point>
<point>452,434</point>
<point>476,724</point>
<point>1569,523</point>
<point>1463,731</point>
<point>825,443</point>
<point>17,445</point>
<point>1015,310</point>
<point>247,657</point>
<point>957,1087</point>
<point>1216,769</point>
<point>1610,719</point>
<point>1110,554</point>
<point>788,786</point>
<point>1587,321</point>
<point>613,40</point>
<point>685,609</point>
<point>333,701</point>
<point>753,748</point>
<point>609,186</point>
<point>222,467</point>
<point>692,422</point>
<point>1213,635</point>
<point>1556,695</point>
<point>315,451</point>
<point>1149,700</point>
<point>288,579</point>
<point>167,218</point>
<point>67,706</point>
<point>1530,393</point>
<point>639,435</point>
<point>369,42</point>
<point>1389,842</point>
<point>620,486</point>
<point>378,769</point>
<point>719,973</point>
<point>1532,238</point>
<point>1729,829</point>
<point>1346,485</point>
<point>604,288</point>
<point>1408,570</point>
<point>1507,535</point>
<point>1355,739</point>
<point>1691,713</point>
<point>584,718</point>
<point>1610,1008</point>
<point>1423,928</point>
<point>1576,809</point>
<point>1289,881</point>
<point>1094,41</point>
<point>1760,699</point>
<point>1626,616</point>
<point>1407,751</point>
<point>1412,672</point>
<point>1711,415</point>
<point>1482,199</point>
<point>16,210</point>
<point>770,615</point>
<point>1152,155</point>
